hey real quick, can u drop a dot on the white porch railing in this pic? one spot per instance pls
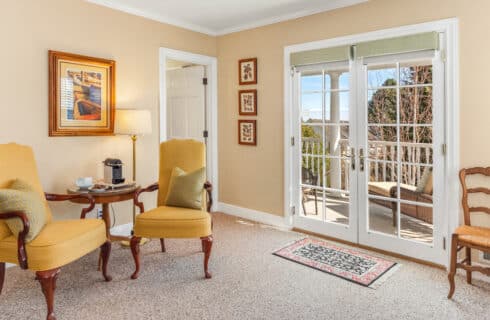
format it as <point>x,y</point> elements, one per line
<point>381,161</point>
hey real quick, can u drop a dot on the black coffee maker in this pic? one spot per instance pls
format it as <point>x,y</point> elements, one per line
<point>113,171</point>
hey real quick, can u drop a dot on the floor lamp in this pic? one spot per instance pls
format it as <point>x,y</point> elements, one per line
<point>134,123</point>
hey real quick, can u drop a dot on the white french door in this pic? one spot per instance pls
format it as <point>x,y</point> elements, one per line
<point>371,131</point>
<point>326,189</point>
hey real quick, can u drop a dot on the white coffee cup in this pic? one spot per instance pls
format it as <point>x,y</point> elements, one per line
<point>84,182</point>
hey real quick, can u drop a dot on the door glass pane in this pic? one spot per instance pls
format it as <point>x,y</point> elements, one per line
<point>344,81</point>
<point>415,73</point>
<point>382,106</point>
<point>311,108</point>
<point>311,202</point>
<point>416,222</point>
<point>400,151</point>
<point>416,105</point>
<point>311,82</point>
<point>381,216</point>
<point>337,207</point>
<point>325,144</point>
<point>381,76</point>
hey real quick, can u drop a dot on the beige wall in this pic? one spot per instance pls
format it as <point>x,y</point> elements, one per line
<point>252,177</point>
<point>29,28</point>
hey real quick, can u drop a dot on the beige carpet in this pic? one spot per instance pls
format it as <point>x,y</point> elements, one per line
<point>248,283</point>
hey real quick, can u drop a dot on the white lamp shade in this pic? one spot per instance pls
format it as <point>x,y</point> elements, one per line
<point>132,122</point>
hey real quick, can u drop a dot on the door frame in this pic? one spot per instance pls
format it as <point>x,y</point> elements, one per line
<point>451,97</point>
<point>211,67</point>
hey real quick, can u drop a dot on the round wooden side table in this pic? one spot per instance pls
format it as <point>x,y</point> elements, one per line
<point>106,198</point>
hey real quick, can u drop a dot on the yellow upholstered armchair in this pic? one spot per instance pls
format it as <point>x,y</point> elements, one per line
<point>168,221</point>
<point>58,242</point>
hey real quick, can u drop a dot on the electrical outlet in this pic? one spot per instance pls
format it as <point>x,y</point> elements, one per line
<point>99,213</point>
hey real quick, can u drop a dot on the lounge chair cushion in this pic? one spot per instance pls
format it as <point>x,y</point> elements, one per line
<point>173,222</point>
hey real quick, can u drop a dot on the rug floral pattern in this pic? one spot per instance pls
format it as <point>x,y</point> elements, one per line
<point>346,263</point>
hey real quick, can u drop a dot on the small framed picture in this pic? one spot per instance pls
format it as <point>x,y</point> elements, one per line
<point>247,71</point>
<point>247,102</point>
<point>247,132</point>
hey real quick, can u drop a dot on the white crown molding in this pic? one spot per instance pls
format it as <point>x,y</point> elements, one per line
<point>328,6</point>
<point>154,16</point>
<point>331,5</point>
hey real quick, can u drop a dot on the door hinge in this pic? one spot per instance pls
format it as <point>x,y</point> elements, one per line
<point>292,141</point>
<point>444,149</point>
<point>204,81</point>
<point>444,243</point>
<point>293,210</point>
<point>205,133</point>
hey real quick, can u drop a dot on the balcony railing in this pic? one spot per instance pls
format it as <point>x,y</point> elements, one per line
<point>381,161</point>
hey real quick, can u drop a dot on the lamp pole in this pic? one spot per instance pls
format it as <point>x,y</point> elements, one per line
<point>134,138</point>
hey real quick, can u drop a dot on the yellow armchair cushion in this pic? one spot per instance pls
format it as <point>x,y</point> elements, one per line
<point>173,222</point>
<point>185,189</point>
<point>188,154</point>
<point>58,243</point>
<point>20,196</point>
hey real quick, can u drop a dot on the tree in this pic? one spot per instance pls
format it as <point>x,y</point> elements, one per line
<point>415,110</point>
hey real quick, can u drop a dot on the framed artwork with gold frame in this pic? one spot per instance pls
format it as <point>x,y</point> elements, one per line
<point>81,95</point>
<point>247,132</point>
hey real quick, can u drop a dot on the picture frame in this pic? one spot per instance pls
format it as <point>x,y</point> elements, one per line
<point>247,71</point>
<point>81,95</point>
<point>247,102</point>
<point>247,132</point>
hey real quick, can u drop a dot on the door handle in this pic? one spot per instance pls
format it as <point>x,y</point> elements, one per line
<point>361,159</point>
<point>353,158</point>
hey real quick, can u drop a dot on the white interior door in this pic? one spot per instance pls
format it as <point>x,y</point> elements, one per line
<point>186,103</point>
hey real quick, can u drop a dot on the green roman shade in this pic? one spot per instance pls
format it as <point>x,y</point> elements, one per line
<point>411,43</point>
<point>404,44</point>
<point>332,54</point>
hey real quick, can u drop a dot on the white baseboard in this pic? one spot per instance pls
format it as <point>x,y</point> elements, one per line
<point>254,215</point>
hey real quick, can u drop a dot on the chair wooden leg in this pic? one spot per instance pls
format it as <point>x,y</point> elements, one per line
<point>162,244</point>
<point>105,252</point>
<point>316,202</point>
<point>468,258</point>
<point>135,250</point>
<point>452,270</point>
<point>48,285</point>
<point>2,275</point>
<point>207,243</point>
<point>394,210</point>
<point>302,204</point>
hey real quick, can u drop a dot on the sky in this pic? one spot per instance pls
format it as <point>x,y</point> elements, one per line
<point>311,87</point>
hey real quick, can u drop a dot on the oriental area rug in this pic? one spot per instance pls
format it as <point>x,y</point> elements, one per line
<point>352,265</point>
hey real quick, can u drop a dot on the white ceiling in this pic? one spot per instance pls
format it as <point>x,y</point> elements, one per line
<point>217,17</point>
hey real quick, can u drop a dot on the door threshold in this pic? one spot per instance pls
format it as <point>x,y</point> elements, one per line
<point>388,253</point>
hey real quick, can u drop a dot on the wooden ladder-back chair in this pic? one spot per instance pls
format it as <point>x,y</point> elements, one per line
<point>468,236</point>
